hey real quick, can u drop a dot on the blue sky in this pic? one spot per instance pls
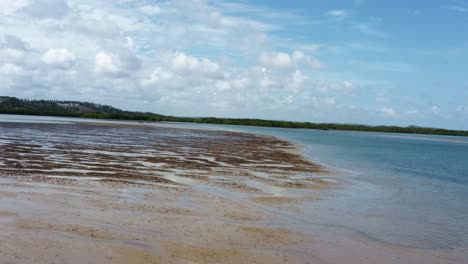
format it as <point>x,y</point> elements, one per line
<point>363,61</point>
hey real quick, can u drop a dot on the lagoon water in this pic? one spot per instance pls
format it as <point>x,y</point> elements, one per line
<point>400,190</point>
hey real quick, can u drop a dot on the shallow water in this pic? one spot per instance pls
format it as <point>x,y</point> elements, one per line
<point>404,190</point>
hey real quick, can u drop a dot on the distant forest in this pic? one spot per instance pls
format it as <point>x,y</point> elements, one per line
<point>12,105</point>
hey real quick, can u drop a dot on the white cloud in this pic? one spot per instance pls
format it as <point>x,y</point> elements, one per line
<point>230,85</point>
<point>182,63</point>
<point>120,63</point>
<point>298,79</point>
<point>345,86</point>
<point>276,60</point>
<point>338,13</point>
<point>435,109</point>
<point>104,63</point>
<point>158,76</point>
<point>60,58</point>
<point>218,19</point>
<point>300,58</point>
<point>178,71</point>
<point>281,60</point>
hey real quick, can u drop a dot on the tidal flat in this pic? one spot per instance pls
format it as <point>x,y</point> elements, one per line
<point>137,193</point>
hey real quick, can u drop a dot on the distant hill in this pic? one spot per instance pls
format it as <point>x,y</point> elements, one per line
<point>50,105</point>
<point>12,105</point>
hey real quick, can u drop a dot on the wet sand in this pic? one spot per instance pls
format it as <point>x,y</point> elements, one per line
<point>106,193</point>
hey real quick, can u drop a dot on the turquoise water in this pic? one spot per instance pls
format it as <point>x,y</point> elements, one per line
<point>404,190</point>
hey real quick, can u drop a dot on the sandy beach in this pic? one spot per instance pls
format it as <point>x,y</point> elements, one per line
<point>107,193</point>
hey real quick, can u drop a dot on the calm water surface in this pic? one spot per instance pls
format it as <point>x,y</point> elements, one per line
<point>405,190</point>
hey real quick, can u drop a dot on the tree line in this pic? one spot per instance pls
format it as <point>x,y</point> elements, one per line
<point>12,105</point>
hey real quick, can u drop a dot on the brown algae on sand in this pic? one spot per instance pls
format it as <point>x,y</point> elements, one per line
<point>163,194</point>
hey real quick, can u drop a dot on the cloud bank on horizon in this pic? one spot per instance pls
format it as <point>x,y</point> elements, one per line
<point>371,62</point>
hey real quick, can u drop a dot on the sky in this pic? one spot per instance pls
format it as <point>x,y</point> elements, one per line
<point>362,61</point>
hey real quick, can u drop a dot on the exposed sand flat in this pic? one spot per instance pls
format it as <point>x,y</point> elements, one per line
<point>86,193</point>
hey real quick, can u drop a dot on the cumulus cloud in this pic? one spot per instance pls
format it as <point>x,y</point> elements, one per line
<point>60,58</point>
<point>229,85</point>
<point>276,60</point>
<point>182,63</point>
<point>298,79</point>
<point>178,71</point>
<point>104,63</point>
<point>158,76</point>
<point>300,58</point>
<point>116,64</point>
<point>435,109</point>
<point>281,60</point>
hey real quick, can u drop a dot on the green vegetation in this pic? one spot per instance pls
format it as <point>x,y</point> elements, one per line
<point>12,105</point>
